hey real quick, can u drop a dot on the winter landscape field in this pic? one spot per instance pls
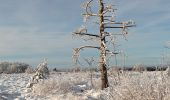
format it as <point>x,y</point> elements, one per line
<point>78,86</point>
<point>92,50</point>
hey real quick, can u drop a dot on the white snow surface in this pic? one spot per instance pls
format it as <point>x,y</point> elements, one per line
<point>14,87</point>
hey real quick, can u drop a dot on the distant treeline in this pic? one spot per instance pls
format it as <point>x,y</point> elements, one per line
<point>148,68</point>
<point>139,68</point>
<point>142,68</point>
<point>76,69</point>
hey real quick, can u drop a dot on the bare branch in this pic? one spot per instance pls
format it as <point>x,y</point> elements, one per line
<point>107,16</point>
<point>110,20</point>
<point>124,26</point>
<point>130,23</point>
<point>89,61</point>
<point>88,11</point>
<point>108,8</point>
<point>78,49</point>
<point>112,53</point>
<point>90,14</point>
<point>119,26</point>
<point>87,34</point>
<point>112,34</point>
<point>82,31</point>
<point>88,7</point>
<point>76,52</point>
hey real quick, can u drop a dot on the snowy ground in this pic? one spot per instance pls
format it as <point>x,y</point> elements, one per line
<point>13,86</point>
<point>77,86</point>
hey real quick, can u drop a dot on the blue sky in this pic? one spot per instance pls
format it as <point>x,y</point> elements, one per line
<point>31,30</point>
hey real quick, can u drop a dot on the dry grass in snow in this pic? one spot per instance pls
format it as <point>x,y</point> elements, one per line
<point>127,86</point>
<point>77,86</point>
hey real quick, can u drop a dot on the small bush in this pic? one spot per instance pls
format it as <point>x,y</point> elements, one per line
<point>49,86</point>
<point>61,85</point>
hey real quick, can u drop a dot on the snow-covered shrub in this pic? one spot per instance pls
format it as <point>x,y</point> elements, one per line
<point>69,83</point>
<point>7,67</point>
<point>48,86</point>
<point>51,86</point>
<point>42,69</point>
<point>69,96</point>
<point>4,66</point>
<point>41,73</point>
<point>29,70</point>
<point>168,71</point>
<point>128,86</point>
<point>139,67</point>
<point>141,86</point>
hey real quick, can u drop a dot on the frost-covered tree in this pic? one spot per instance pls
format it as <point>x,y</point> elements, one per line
<point>105,19</point>
<point>42,72</point>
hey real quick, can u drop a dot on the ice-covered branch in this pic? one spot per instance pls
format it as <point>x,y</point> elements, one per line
<point>76,52</point>
<point>111,52</point>
<point>82,31</point>
<point>88,10</point>
<point>78,49</point>
<point>86,34</point>
<point>108,9</point>
<point>126,26</point>
<point>123,25</point>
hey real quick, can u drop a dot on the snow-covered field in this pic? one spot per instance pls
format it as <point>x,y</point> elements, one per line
<point>78,86</point>
<point>12,86</point>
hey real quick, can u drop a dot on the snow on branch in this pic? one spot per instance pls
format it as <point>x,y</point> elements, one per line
<point>88,10</point>
<point>82,32</point>
<point>76,52</point>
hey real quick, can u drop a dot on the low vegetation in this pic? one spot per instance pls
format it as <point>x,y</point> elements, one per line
<point>16,67</point>
<point>131,85</point>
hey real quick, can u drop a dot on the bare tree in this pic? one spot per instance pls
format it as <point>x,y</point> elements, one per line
<point>105,19</point>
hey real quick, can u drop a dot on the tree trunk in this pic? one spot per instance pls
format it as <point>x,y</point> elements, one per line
<point>103,64</point>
